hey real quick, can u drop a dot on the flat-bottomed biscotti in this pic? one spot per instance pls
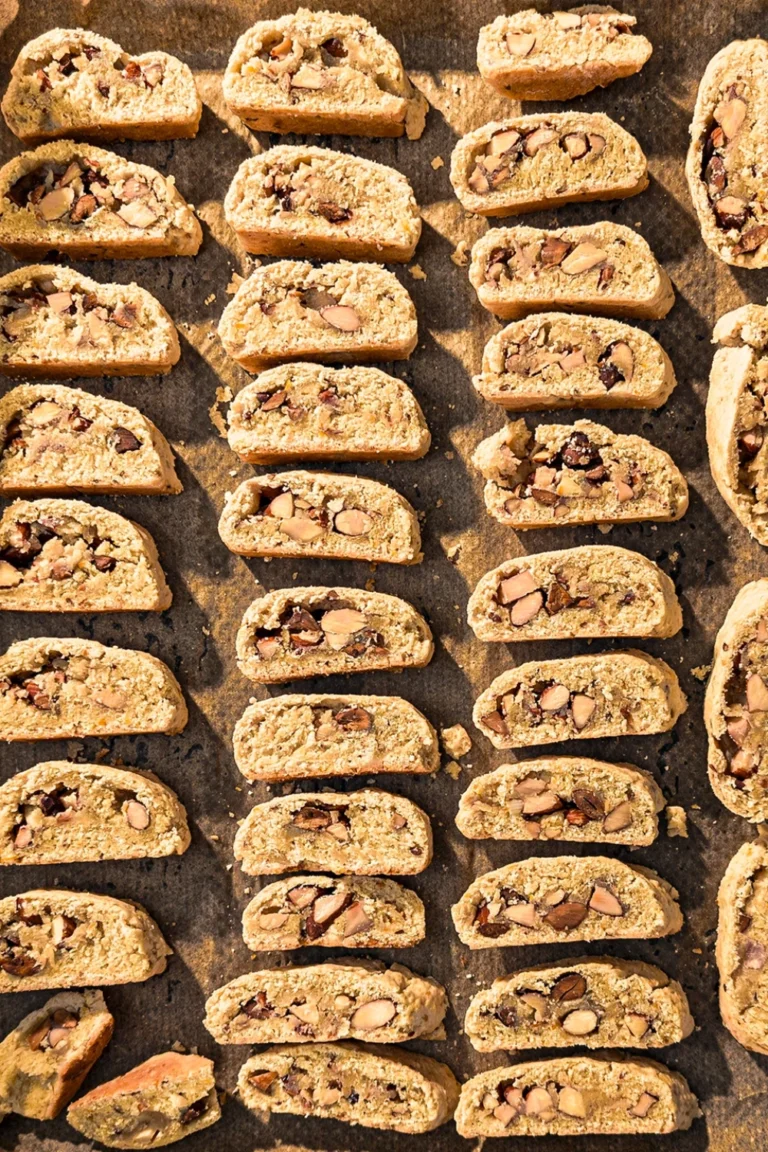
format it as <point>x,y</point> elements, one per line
<point>742,946</point>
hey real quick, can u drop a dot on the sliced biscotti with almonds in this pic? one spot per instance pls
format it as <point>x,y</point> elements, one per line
<point>603,268</point>
<point>742,946</point>
<point>87,203</point>
<point>293,633</point>
<point>52,689</point>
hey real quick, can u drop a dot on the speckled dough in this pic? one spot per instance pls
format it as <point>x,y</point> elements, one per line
<point>742,946</point>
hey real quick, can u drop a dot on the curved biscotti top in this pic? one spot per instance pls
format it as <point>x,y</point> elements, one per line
<point>742,946</point>
<point>163,1071</point>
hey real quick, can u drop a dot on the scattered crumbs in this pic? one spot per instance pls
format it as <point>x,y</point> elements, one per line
<point>697,951</point>
<point>229,867</point>
<point>210,299</point>
<point>223,394</point>
<point>238,788</point>
<point>674,557</point>
<point>233,471</point>
<point>214,837</point>
<point>449,455</point>
<point>638,223</point>
<point>225,131</point>
<point>439,503</point>
<point>701,671</point>
<point>370,585</point>
<point>605,528</point>
<point>417,272</point>
<point>696,807</point>
<point>247,891</point>
<point>234,283</point>
<point>206,631</point>
<point>677,821</point>
<point>456,740</point>
<point>177,1046</point>
<point>437,162</point>
<point>453,769</point>
<point>231,815</point>
<point>460,254</point>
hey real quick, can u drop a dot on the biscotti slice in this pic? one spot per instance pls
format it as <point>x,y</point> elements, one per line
<point>61,813</point>
<point>742,946</point>
<point>364,1084</point>
<point>49,1053</point>
<point>291,310</point>
<point>166,1098</point>
<point>563,798</point>
<point>339,1000</point>
<point>603,268</point>
<point>87,203</point>
<point>293,633</point>
<point>59,939</point>
<point>556,360</point>
<point>328,912</point>
<point>563,899</point>
<point>320,514</point>
<point>54,688</point>
<point>310,412</point>
<point>321,72</point>
<point>626,693</point>
<point>576,1096</point>
<point>581,473</point>
<point>56,322</point>
<point>599,1002</point>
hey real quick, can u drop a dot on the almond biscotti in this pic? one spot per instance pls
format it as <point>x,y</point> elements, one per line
<point>581,473</point>
<point>291,310</point>
<point>742,946</point>
<point>627,693</point>
<point>602,268</point>
<point>84,202</point>
<point>293,633</point>
<point>321,72</point>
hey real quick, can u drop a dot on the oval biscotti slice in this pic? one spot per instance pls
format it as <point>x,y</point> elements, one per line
<point>742,946</point>
<point>87,203</point>
<point>584,697</point>
<point>603,268</point>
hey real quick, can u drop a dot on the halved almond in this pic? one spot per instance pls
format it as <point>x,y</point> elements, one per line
<point>538,140</point>
<point>136,214</point>
<point>501,142</point>
<point>605,902</point>
<point>520,43</point>
<point>56,204</point>
<point>757,693</point>
<point>302,529</point>
<point>730,115</point>
<point>538,1100</point>
<point>10,577</point>
<point>342,621</point>
<point>623,491</point>
<point>302,896</point>
<point>529,786</point>
<point>342,317</point>
<point>374,1014</point>
<point>622,356</point>
<point>575,144</point>
<point>137,815</point>
<point>584,257</point>
<point>526,608</point>
<point>281,507</point>
<point>571,1102</point>
<point>554,698</point>
<point>566,20</point>
<point>637,1024</point>
<point>644,1105</point>
<point>110,699</point>
<point>580,1022</point>
<point>59,302</point>
<point>353,522</point>
<point>515,587</point>
<point>270,921</point>
<point>522,914</point>
<point>505,1113</point>
<point>356,920</point>
<point>618,818</point>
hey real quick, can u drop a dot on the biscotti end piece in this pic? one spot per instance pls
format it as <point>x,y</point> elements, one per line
<point>742,946</point>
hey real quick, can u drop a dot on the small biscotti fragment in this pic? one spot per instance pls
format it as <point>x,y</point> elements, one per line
<point>328,912</point>
<point>166,1098</point>
<point>293,633</point>
<point>52,689</point>
<point>563,798</point>
<point>581,473</point>
<point>339,1000</point>
<point>742,946</point>
<point>322,72</point>
<point>291,310</point>
<point>625,693</point>
<point>90,204</point>
<point>554,360</point>
<point>603,268</point>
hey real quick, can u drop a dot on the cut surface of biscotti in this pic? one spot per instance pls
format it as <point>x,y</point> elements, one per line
<point>56,322</point>
<point>320,514</point>
<point>293,633</point>
<point>556,360</point>
<point>339,1000</point>
<point>563,899</point>
<point>333,912</point>
<point>742,946</point>
<point>296,200</point>
<point>369,1085</point>
<point>87,203</point>
<point>59,939</point>
<point>54,688</point>
<point>321,72</point>
<point>603,268</point>
<point>556,55</point>
<point>580,473</point>
<point>625,693</point>
<point>576,1096</point>
<point>291,310</point>
<point>166,1098</point>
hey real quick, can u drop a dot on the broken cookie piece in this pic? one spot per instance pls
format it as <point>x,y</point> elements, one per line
<point>742,946</point>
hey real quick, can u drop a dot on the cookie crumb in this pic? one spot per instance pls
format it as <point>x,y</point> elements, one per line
<point>605,528</point>
<point>437,162</point>
<point>417,272</point>
<point>460,254</point>
<point>701,671</point>
<point>177,1046</point>
<point>234,283</point>
<point>453,769</point>
<point>677,821</point>
<point>210,299</point>
<point>456,740</point>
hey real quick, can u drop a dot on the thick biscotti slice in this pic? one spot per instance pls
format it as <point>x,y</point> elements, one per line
<point>293,633</point>
<point>581,473</point>
<point>59,939</point>
<point>369,1085</point>
<point>291,310</point>
<point>603,268</point>
<point>87,203</point>
<point>71,82</point>
<point>321,72</point>
<point>613,694</point>
<point>555,360</point>
<point>52,689</point>
<point>328,912</point>
<point>563,899</point>
<point>166,1098</point>
<point>320,514</point>
<point>742,946</point>
<point>339,1000</point>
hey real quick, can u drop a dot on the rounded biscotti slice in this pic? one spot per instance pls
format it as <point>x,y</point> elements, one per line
<point>54,688</point>
<point>87,203</point>
<point>291,310</point>
<point>742,946</point>
<point>320,514</point>
<point>339,1000</point>
<point>580,473</point>
<point>321,72</point>
<point>625,693</point>
<point>553,360</point>
<point>71,82</point>
<point>292,633</point>
<point>603,268</point>
<point>328,912</point>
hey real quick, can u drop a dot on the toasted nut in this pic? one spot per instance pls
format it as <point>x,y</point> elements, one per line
<point>353,522</point>
<point>281,507</point>
<point>573,361</point>
<point>580,1023</point>
<point>570,1101</point>
<point>621,356</point>
<point>553,251</point>
<point>342,621</point>
<point>738,730</point>
<point>604,901</point>
<point>582,708</point>
<point>342,317</point>
<point>261,1081</point>
<point>542,804</point>
<point>270,921</point>
<point>526,608</point>
<point>554,698</point>
<point>113,700</point>
<point>136,214</point>
<point>566,20</point>
<point>529,786</point>
<point>302,529</point>
<point>624,491</point>
<point>307,1013</point>
<point>9,576</point>
<point>757,693</point>
<point>515,587</point>
<point>537,1101</point>
<point>644,1105</point>
<point>538,140</point>
<point>637,1024</point>
<point>505,1113</point>
<point>538,1003</point>
<point>501,142</point>
<point>23,837</point>
<point>565,916</point>
<point>618,818</point>
<point>596,143</point>
<point>398,822</point>
<point>137,815</point>
<point>308,77</point>
<point>730,115</point>
<point>569,987</point>
<point>327,1097</point>
<point>339,831</point>
<point>302,896</point>
<point>583,257</point>
<point>742,765</point>
<point>522,914</point>
<point>575,144</point>
<point>520,43</point>
<point>58,302</point>
<point>56,204</point>
<point>326,907</point>
<point>356,920</point>
<point>374,1014</point>
<point>267,646</point>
